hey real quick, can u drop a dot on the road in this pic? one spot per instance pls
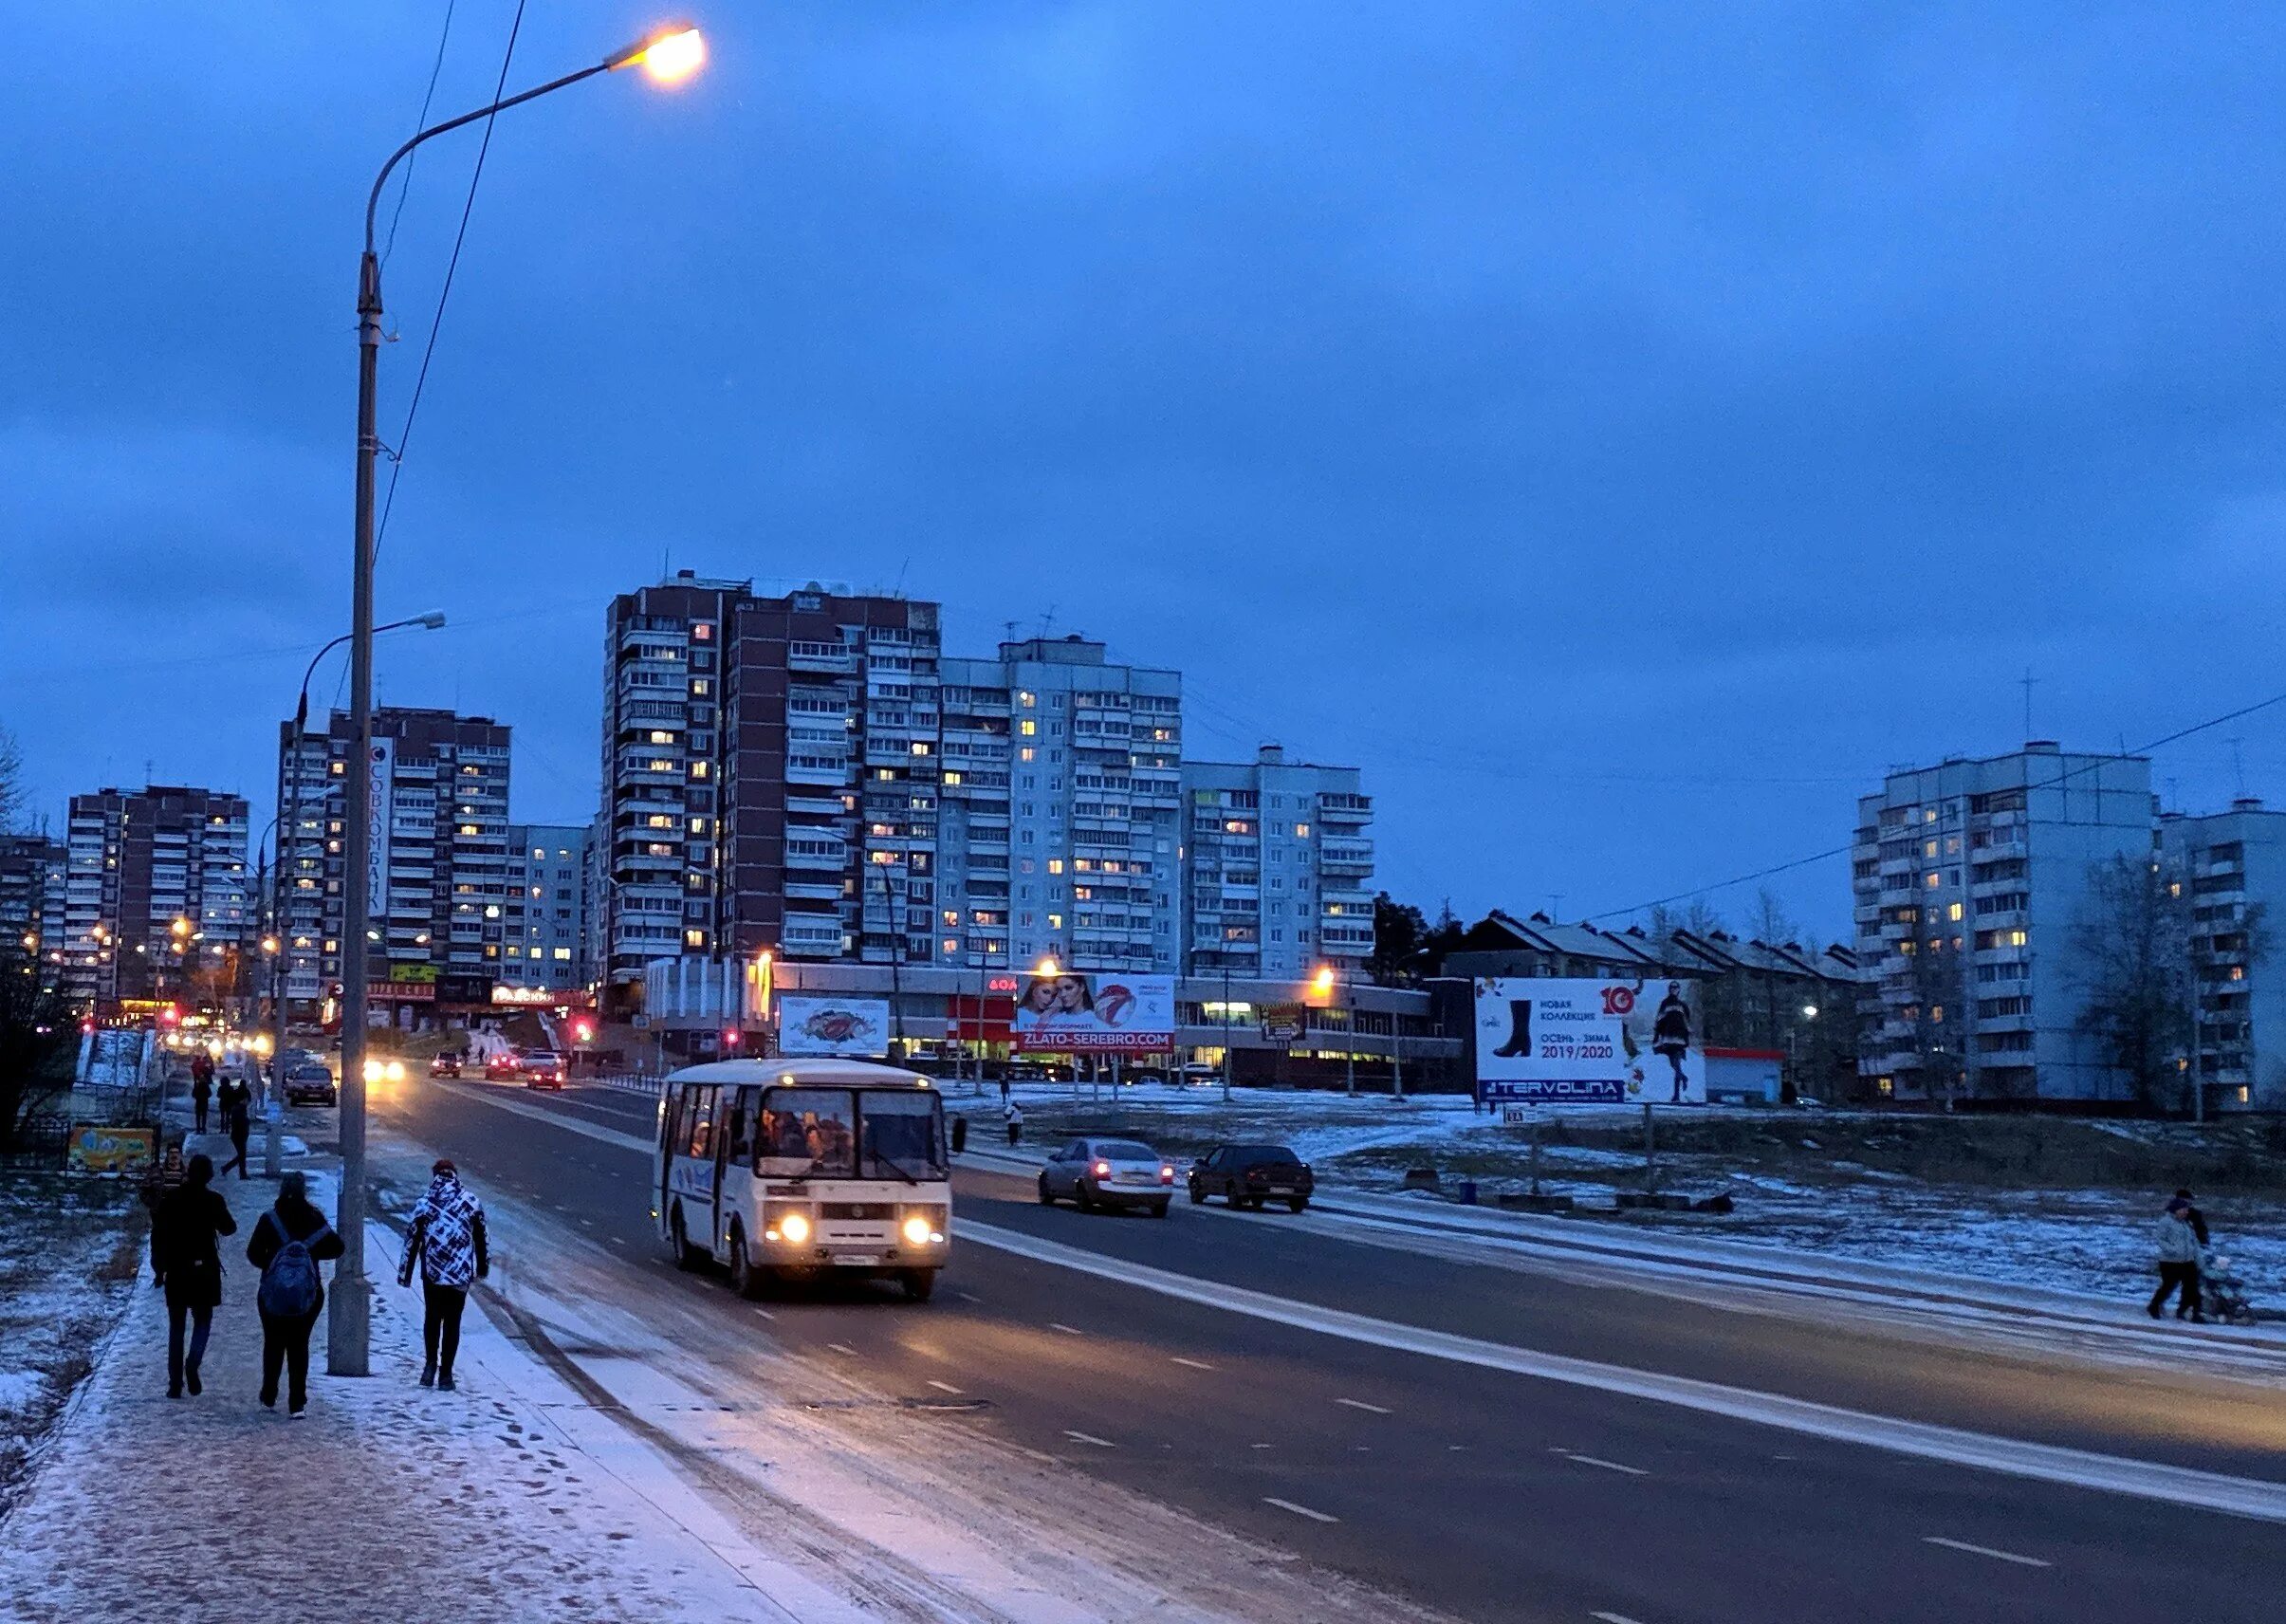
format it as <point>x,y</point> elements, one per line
<point>1473,1492</point>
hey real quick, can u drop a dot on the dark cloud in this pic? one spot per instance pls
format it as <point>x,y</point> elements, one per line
<point>1623,434</point>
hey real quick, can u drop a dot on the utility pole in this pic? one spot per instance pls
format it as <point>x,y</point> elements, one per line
<point>1226,1025</point>
<point>1349,998</point>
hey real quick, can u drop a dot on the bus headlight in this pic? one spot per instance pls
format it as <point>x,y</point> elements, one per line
<point>922,1229</point>
<point>792,1228</point>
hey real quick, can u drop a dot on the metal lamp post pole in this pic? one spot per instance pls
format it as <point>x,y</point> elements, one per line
<point>1349,996</point>
<point>348,1340</point>
<point>1226,1038</point>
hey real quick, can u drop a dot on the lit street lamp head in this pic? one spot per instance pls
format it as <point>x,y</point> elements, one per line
<point>669,56</point>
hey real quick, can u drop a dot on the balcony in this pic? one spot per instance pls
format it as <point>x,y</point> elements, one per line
<point>830,658</point>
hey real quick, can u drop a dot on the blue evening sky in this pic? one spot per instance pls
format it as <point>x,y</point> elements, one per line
<point>1621,430</point>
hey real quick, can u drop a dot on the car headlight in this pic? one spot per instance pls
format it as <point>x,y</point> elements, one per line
<point>792,1228</point>
<point>920,1230</point>
<point>373,1071</point>
<point>395,1071</point>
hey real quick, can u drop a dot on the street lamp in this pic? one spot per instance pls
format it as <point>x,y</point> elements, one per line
<point>668,55</point>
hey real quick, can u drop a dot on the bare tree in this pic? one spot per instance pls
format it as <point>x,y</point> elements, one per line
<point>2129,953</point>
<point>13,796</point>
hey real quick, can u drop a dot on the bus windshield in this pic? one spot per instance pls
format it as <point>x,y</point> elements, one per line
<point>807,1133</point>
<point>903,1136</point>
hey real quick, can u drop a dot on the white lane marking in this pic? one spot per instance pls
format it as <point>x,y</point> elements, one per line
<point>1607,1466</point>
<point>1984,1551</point>
<point>843,1348</point>
<point>944,1387</point>
<point>1089,1438</point>
<point>1194,1364</point>
<point>967,1297</point>
<point>555,1118</point>
<point>1067,1330</point>
<point>1300,1511</point>
<point>2257,1498</point>
<point>1261,1446</point>
<point>766,1314</point>
<point>1361,1404</point>
<point>1611,1618</point>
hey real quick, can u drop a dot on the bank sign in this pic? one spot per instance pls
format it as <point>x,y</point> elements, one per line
<point>1550,1042</point>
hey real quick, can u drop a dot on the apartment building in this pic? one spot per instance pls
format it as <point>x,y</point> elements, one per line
<point>1278,868</point>
<point>436,886</point>
<point>1968,879</point>
<point>31,903</point>
<point>1060,830</point>
<point>769,777</point>
<point>2233,866</point>
<point>155,895</point>
<point>544,942</point>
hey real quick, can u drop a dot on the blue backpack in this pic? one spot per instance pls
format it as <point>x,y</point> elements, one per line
<point>290,1282</point>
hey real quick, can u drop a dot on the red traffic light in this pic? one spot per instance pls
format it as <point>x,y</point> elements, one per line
<point>731,1039</point>
<point>583,1032</point>
<point>169,1015</point>
<point>88,1026</point>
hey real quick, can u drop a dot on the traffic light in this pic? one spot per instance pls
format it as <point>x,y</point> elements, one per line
<point>732,1038</point>
<point>583,1032</point>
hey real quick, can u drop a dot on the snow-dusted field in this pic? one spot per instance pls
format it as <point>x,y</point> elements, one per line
<point>68,1258</point>
<point>2071,1239</point>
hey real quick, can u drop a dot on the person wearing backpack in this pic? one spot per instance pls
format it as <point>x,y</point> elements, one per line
<point>448,1239</point>
<point>186,1264</point>
<point>289,1243</point>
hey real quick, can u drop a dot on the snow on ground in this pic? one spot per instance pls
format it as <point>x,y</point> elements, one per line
<point>2085,1239</point>
<point>68,1258</point>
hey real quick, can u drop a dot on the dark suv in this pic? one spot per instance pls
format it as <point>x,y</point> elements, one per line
<point>1247,1175</point>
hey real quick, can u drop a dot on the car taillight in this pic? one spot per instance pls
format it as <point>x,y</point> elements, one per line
<point>1103,1169</point>
<point>1166,1175</point>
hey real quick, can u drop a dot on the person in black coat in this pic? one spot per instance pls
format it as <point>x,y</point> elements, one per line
<point>286,1339</point>
<point>236,1100</point>
<point>202,1090</point>
<point>186,1265</point>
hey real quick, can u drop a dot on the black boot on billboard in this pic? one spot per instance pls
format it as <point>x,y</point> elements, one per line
<point>1520,1031</point>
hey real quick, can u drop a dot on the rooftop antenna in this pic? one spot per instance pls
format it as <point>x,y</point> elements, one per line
<point>2237,765</point>
<point>1047,620</point>
<point>2026,682</point>
<point>1556,906</point>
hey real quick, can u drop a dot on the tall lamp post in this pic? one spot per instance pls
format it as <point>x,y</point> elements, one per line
<point>669,55</point>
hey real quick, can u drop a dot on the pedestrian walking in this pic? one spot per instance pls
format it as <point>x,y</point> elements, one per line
<point>164,1177</point>
<point>1013,1115</point>
<point>2178,1262</point>
<point>202,1090</point>
<point>237,1121</point>
<point>1003,1091</point>
<point>186,1265</point>
<point>2192,1216</point>
<point>287,1245</point>
<point>447,1242</point>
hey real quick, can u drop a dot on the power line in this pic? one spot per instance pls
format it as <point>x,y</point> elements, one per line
<point>419,123</point>
<point>2087,766</point>
<point>404,438</point>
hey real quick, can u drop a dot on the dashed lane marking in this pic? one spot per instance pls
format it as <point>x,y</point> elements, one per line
<point>1361,1404</point>
<point>1089,1438</point>
<point>1984,1551</point>
<point>1611,1618</point>
<point>1300,1511</point>
<point>1192,1364</point>
<point>1067,1330</point>
<point>843,1348</point>
<point>766,1314</point>
<point>944,1387</point>
<point>1607,1466</point>
<point>967,1297</point>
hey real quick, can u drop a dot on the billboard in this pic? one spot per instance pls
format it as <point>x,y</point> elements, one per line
<point>1590,1043</point>
<point>381,780</point>
<point>1102,1012</point>
<point>815,1023</point>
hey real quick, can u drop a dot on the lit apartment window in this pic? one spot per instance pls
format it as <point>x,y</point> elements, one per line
<point>1953,910</point>
<point>951,944</point>
<point>660,736</point>
<point>1931,879</point>
<point>562,954</point>
<point>1302,831</point>
<point>1025,700</point>
<point>694,939</point>
<point>1027,726</point>
<point>1054,866</point>
<point>699,769</point>
<point>701,632</point>
<point>699,688</point>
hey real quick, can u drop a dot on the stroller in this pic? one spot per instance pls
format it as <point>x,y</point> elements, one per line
<point>2223,1291</point>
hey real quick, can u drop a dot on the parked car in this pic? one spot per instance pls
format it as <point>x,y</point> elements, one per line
<point>1108,1173</point>
<point>310,1083</point>
<point>445,1065</point>
<point>500,1066</point>
<point>541,1068</point>
<point>1248,1175</point>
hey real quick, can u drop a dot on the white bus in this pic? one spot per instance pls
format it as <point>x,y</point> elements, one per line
<point>790,1168</point>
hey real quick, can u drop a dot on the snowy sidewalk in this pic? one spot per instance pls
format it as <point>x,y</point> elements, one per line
<point>388,1502</point>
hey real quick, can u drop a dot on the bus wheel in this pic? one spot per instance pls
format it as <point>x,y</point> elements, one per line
<point>919,1283</point>
<point>745,1279</point>
<point>685,1255</point>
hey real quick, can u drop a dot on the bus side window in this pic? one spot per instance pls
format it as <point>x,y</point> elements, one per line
<point>742,1127</point>
<point>702,1121</point>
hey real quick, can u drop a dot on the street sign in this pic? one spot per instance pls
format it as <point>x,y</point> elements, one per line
<point>1518,1116</point>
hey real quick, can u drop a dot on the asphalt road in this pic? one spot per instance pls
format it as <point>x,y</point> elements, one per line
<point>1482,1493</point>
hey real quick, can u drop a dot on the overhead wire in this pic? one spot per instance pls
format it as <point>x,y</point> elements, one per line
<point>420,122</point>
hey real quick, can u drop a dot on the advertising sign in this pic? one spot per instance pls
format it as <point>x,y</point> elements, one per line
<point>817,1023</point>
<point>99,1148</point>
<point>380,770</point>
<point>1102,1012</point>
<point>1284,1023</point>
<point>1590,1043</point>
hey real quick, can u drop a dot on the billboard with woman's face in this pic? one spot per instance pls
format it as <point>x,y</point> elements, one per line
<point>1094,1012</point>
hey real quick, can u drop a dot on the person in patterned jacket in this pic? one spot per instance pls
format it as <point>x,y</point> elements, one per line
<point>448,1240</point>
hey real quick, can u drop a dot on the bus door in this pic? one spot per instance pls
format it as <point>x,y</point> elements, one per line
<point>733,1157</point>
<point>694,1180</point>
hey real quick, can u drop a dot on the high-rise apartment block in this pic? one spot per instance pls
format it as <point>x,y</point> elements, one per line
<point>2233,865</point>
<point>31,904</point>
<point>769,776</point>
<point>155,895</point>
<point>1970,879</point>
<point>437,886</point>
<point>1278,864</point>
<point>545,917</point>
<point>1060,830</point>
